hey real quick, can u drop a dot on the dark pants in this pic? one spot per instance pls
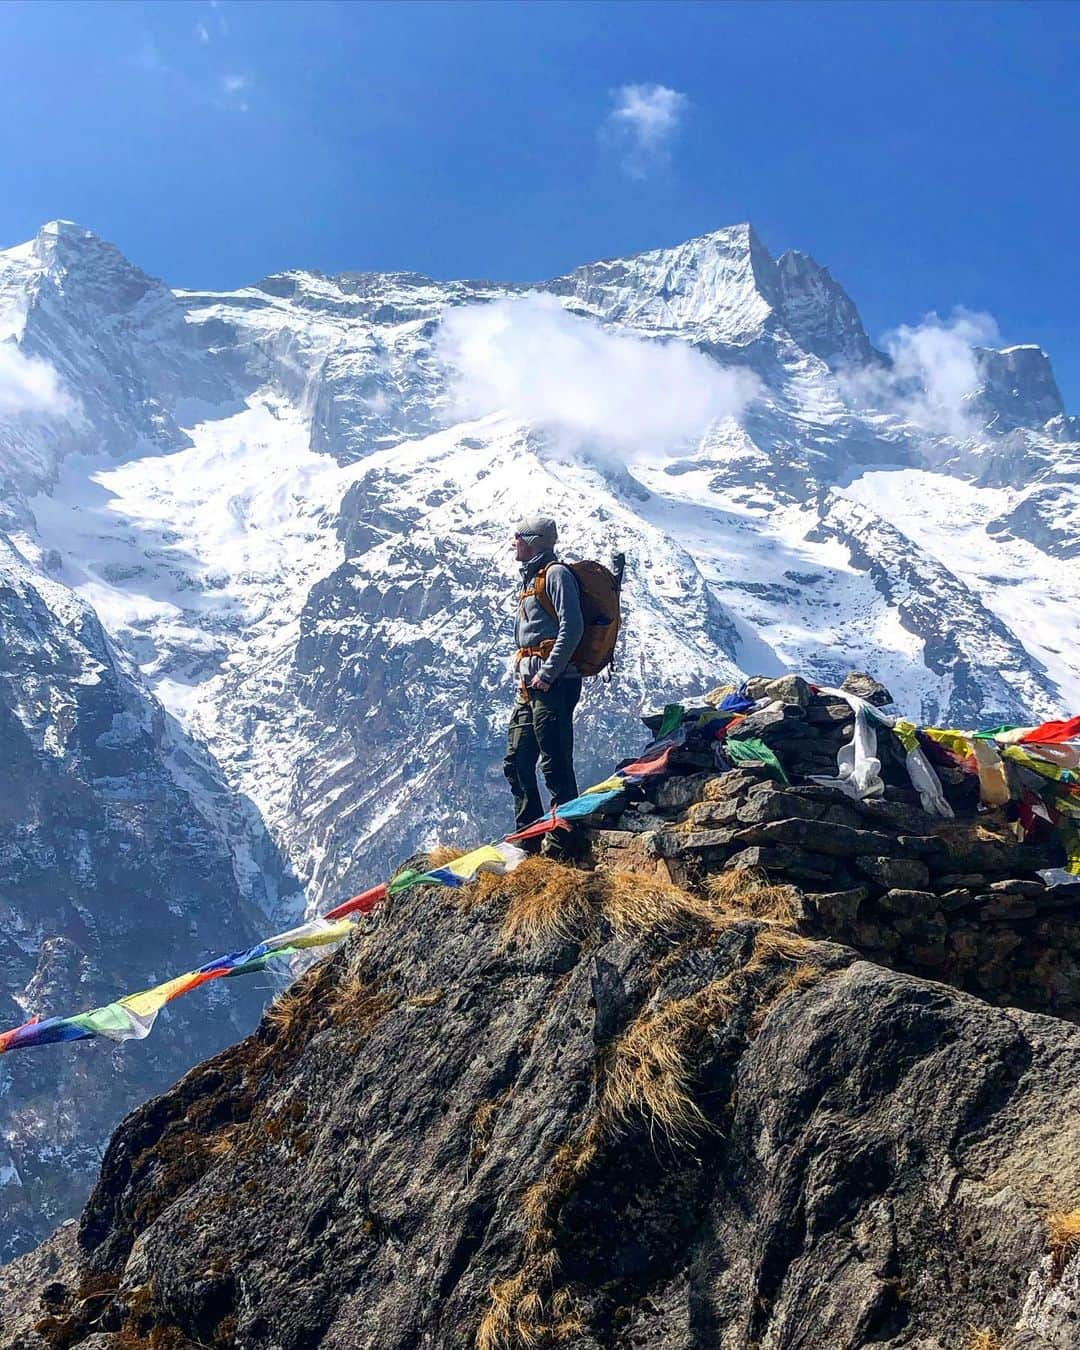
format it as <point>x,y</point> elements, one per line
<point>542,729</point>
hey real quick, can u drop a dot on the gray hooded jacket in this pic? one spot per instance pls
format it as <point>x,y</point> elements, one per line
<point>535,625</point>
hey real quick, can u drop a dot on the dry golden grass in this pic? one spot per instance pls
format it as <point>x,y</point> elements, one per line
<point>776,944</point>
<point>483,1125</point>
<point>631,900</point>
<point>651,1070</point>
<point>442,854</point>
<point>1064,1232</point>
<point>548,900</point>
<point>427,999</point>
<point>519,1317</point>
<point>545,900</point>
<point>223,1144</point>
<point>983,1338</point>
<point>286,1009</point>
<point>745,893</point>
<point>355,1003</point>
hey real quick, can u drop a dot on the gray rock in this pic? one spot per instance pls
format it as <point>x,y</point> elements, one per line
<point>958,898</point>
<point>895,815</point>
<point>678,792</point>
<point>763,807</point>
<point>723,812</point>
<point>1017,887</point>
<point>827,711</point>
<point>836,840</point>
<point>1007,906</point>
<point>837,910</point>
<point>677,844</point>
<point>905,873</point>
<point>866,687</point>
<point>786,689</point>
<point>774,724</point>
<point>963,879</point>
<point>793,862</point>
<point>911,904</point>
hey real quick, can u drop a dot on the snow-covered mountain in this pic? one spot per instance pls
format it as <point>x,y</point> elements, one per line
<point>289,507</point>
<point>280,506</point>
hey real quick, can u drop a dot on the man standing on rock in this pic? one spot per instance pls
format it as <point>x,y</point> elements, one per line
<point>542,725</point>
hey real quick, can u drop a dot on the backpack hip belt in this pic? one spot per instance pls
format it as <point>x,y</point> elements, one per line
<point>543,651</point>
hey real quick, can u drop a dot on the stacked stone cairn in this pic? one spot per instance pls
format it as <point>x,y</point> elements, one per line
<point>959,900</point>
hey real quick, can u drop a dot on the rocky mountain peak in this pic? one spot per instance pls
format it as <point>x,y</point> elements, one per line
<point>1018,387</point>
<point>720,286</point>
<point>819,314</point>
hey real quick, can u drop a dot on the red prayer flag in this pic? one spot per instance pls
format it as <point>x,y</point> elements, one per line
<point>1053,733</point>
<point>363,903</point>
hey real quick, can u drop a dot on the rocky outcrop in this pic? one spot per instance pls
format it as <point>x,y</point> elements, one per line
<point>642,1102</point>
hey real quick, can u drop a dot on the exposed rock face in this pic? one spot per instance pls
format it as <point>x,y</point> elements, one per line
<point>820,314</point>
<point>597,1109</point>
<point>1018,387</point>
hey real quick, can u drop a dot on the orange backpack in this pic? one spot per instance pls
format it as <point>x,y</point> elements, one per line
<point>599,590</point>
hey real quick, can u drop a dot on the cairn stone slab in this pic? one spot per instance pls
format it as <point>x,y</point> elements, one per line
<point>899,816</point>
<point>893,873</point>
<point>786,689</point>
<point>679,843</point>
<point>781,858</point>
<point>826,711</point>
<point>909,903</point>
<point>1018,887</point>
<point>678,792</point>
<point>764,807</point>
<point>866,687</point>
<point>929,847</point>
<point>958,898</point>
<point>774,724</point>
<point>723,812</point>
<point>967,880</point>
<point>1008,906</point>
<point>735,783</point>
<point>838,909</point>
<point>815,836</point>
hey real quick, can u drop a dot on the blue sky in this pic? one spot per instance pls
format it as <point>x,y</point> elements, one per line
<point>927,153</point>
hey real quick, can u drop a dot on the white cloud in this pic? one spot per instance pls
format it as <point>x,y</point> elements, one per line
<point>594,389</point>
<point>235,86</point>
<point>29,385</point>
<point>643,123</point>
<point>202,33</point>
<point>934,373</point>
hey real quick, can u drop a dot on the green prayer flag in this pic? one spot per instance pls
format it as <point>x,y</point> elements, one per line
<point>751,750</point>
<point>405,881</point>
<point>673,716</point>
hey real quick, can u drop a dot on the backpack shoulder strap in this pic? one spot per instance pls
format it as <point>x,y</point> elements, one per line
<point>540,592</point>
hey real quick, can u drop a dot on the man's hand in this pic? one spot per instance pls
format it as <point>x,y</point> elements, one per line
<point>538,683</point>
